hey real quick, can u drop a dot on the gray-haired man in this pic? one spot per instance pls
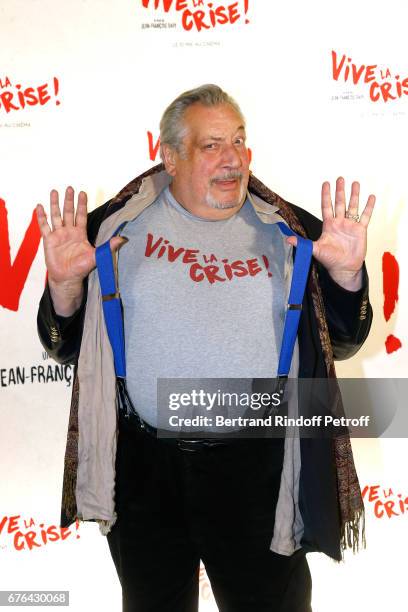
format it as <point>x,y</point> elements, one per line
<point>198,303</point>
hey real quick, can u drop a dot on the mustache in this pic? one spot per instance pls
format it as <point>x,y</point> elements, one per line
<point>227,176</point>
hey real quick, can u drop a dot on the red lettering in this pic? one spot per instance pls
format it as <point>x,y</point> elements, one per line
<point>219,16</point>
<point>211,274</point>
<point>43,534</point>
<point>209,259</point>
<point>369,75</point>
<point>6,98</point>
<point>195,275</point>
<point>190,256</point>
<point>253,267</point>
<point>65,533</point>
<point>17,544</point>
<point>375,96</point>
<point>227,269</point>
<point>43,95</point>
<point>187,21</point>
<point>357,73</point>
<point>173,254</point>
<point>377,509</point>
<point>153,148</point>
<point>13,523</point>
<point>13,277</point>
<point>6,83</point>
<point>389,508</point>
<point>373,493</point>
<point>385,90</point>
<point>150,247</point>
<point>239,268</point>
<point>337,67</point>
<point>52,533</point>
<point>30,97</point>
<point>166,4</point>
<point>233,12</point>
<point>199,21</point>
<point>3,522</point>
<point>30,539</point>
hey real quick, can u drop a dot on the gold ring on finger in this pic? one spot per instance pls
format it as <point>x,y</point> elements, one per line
<point>355,218</point>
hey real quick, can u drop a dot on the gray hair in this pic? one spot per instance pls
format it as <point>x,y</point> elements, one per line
<point>172,128</point>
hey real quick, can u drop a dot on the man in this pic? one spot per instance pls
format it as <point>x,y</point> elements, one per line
<point>249,509</point>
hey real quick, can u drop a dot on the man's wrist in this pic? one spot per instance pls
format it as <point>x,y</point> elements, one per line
<point>66,296</point>
<point>350,280</point>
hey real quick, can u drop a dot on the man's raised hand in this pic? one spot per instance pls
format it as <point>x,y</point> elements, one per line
<point>342,246</point>
<point>69,256</point>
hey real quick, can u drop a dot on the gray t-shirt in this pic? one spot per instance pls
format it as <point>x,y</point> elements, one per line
<point>202,299</point>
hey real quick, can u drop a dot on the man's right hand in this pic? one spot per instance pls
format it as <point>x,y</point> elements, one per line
<point>69,256</point>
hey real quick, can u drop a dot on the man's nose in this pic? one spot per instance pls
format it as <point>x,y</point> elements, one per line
<point>231,156</point>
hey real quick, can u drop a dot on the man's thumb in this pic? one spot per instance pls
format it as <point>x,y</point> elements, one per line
<point>117,241</point>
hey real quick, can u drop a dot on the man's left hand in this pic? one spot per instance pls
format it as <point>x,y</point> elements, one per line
<point>342,246</point>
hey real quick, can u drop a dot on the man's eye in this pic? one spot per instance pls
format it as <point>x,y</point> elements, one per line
<point>240,141</point>
<point>211,145</point>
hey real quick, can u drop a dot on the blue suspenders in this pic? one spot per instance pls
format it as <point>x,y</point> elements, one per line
<point>112,306</point>
<point>301,267</point>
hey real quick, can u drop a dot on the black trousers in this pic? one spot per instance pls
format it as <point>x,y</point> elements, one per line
<point>176,507</point>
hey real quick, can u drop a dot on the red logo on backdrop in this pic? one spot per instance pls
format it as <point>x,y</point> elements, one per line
<point>13,276</point>
<point>25,534</point>
<point>383,85</point>
<point>385,502</point>
<point>153,146</point>
<point>15,97</point>
<point>390,270</point>
<point>197,15</point>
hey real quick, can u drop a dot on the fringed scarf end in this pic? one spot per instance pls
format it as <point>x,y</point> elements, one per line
<point>353,533</point>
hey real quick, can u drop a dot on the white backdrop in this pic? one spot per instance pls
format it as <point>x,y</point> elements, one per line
<point>101,74</point>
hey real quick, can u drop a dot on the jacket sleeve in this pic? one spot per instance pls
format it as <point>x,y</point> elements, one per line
<point>61,336</point>
<point>349,313</point>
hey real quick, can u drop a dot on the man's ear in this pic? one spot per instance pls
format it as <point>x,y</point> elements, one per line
<point>169,156</point>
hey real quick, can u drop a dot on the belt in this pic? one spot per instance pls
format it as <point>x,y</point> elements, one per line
<point>190,445</point>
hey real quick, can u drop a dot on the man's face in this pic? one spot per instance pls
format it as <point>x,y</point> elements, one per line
<point>210,174</point>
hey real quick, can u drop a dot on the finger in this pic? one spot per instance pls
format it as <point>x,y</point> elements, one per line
<point>327,206</point>
<point>82,211</point>
<point>340,198</point>
<point>69,209</point>
<point>42,221</point>
<point>368,211</point>
<point>56,220</point>
<point>354,198</point>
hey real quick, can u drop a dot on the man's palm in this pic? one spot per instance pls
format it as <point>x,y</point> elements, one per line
<point>69,256</point>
